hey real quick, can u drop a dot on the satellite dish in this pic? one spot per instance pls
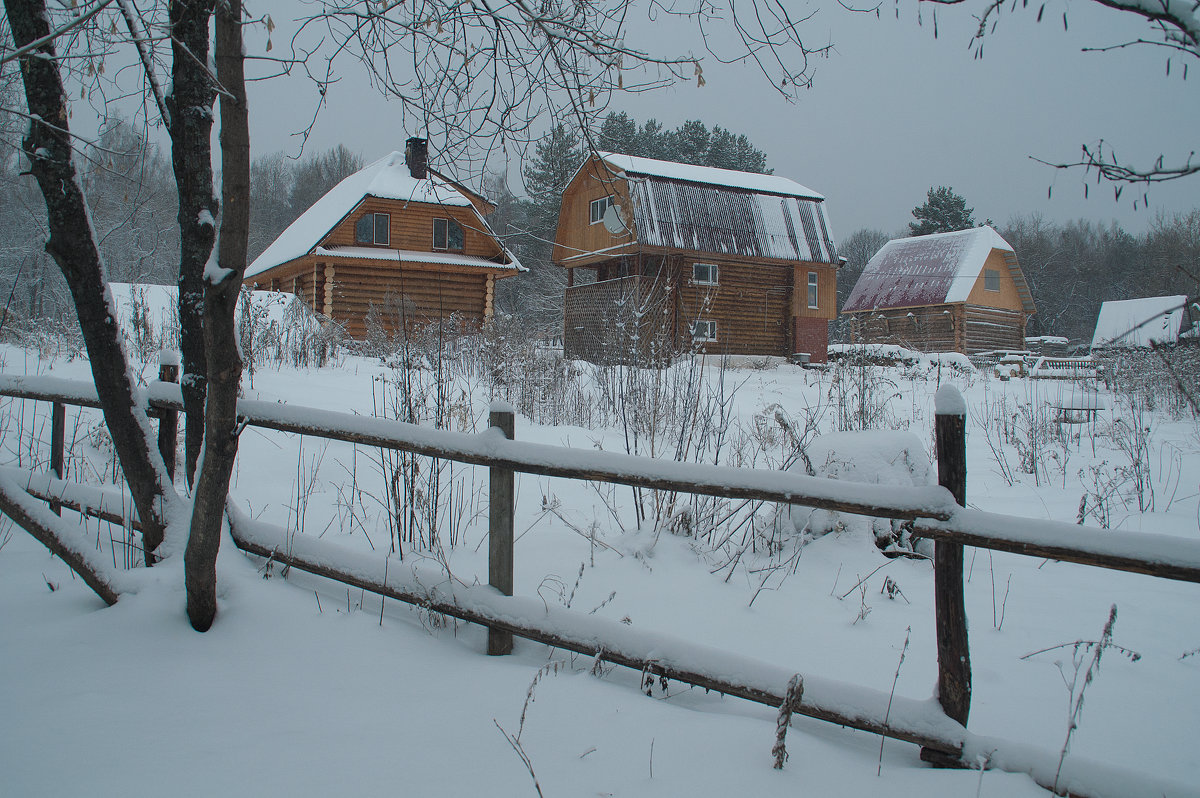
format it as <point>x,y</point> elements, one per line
<point>613,221</point>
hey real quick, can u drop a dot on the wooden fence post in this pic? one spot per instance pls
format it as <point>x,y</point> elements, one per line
<point>58,434</point>
<point>954,657</point>
<point>500,528</point>
<point>168,422</point>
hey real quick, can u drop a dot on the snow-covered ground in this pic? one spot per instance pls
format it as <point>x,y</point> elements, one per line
<point>304,688</point>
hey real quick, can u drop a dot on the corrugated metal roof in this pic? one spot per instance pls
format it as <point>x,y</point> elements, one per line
<point>931,270</point>
<point>729,221</point>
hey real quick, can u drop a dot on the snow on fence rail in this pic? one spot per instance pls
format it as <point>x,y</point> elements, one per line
<point>937,511</point>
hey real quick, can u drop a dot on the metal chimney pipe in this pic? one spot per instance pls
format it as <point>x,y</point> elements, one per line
<point>416,156</point>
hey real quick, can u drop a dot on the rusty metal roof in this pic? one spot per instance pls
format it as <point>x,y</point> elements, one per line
<point>725,212</point>
<point>931,270</point>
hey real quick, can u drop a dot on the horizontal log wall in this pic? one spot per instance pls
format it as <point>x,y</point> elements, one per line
<point>403,296</point>
<point>993,328</point>
<point>933,328</point>
<point>751,305</point>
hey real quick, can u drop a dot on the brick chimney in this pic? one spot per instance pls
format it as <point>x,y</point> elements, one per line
<point>416,156</point>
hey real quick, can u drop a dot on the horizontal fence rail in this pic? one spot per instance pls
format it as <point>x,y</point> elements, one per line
<point>491,449</point>
<point>933,508</point>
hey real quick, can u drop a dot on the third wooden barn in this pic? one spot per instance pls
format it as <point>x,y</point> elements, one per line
<point>946,292</point>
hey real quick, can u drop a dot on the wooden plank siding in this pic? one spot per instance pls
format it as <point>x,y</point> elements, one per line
<point>411,227</point>
<point>1006,297</point>
<point>753,304</point>
<point>576,235</point>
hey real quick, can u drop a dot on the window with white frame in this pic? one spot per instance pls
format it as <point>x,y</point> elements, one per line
<point>813,295</point>
<point>991,280</point>
<point>598,208</point>
<point>373,228</point>
<point>704,330</point>
<point>704,274</point>
<point>447,234</point>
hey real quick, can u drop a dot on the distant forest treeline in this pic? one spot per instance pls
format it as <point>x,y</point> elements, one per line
<point>1071,267</point>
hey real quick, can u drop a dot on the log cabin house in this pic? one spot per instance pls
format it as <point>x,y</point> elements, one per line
<point>672,257</point>
<point>395,236</point>
<point>946,292</point>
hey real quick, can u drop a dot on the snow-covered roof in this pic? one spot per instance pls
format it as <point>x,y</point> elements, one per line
<point>387,178</point>
<point>931,270</point>
<point>1131,323</point>
<point>414,256</point>
<point>721,211</point>
<point>730,178</point>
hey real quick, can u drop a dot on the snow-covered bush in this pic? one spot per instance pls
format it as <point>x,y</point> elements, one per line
<point>884,457</point>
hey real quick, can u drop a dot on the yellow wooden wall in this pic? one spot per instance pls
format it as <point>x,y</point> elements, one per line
<point>1007,297</point>
<point>575,233</point>
<point>412,226</point>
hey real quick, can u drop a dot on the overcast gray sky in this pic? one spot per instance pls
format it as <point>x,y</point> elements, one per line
<point>891,113</point>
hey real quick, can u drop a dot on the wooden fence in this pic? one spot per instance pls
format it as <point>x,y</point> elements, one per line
<point>937,512</point>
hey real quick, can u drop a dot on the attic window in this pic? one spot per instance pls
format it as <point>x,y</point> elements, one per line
<point>703,330</point>
<point>991,280</point>
<point>704,274</point>
<point>373,229</point>
<point>598,208</point>
<point>447,234</point>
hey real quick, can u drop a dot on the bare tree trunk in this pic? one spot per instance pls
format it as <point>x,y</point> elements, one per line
<point>220,338</point>
<point>190,104</point>
<point>73,246</point>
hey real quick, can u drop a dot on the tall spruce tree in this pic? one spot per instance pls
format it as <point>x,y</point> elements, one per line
<point>943,212</point>
<point>555,159</point>
<point>692,142</point>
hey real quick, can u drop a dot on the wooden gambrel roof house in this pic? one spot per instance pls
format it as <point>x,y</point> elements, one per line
<point>397,236</point>
<point>676,256</point>
<point>946,292</point>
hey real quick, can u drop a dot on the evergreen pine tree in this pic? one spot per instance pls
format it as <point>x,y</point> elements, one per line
<point>691,142</point>
<point>555,159</point>
<point>618,133</point>
<point>943,212</point>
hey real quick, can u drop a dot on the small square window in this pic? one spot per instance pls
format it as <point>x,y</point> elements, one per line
<point>373,228</point>
<point>447,234</point>
<point>704,330</point>
<point>991,280</point>
<point>813,296</point>
<point>704,274</point>
<point>598,208</point>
